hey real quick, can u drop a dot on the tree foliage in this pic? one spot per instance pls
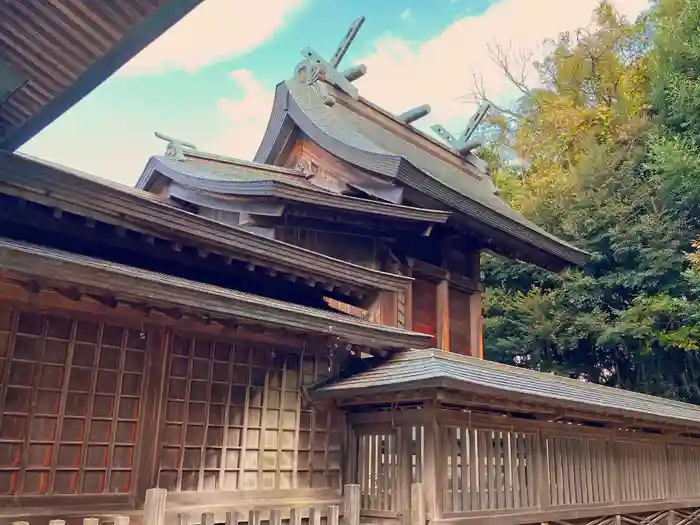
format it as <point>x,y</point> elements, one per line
<point>607,146</point>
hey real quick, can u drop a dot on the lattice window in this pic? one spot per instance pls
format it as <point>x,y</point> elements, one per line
<point>69,404</point>
<point>235,418</point>
<point>489,469</point>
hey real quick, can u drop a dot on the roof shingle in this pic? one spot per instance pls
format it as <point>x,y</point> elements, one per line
<point>439,369</point>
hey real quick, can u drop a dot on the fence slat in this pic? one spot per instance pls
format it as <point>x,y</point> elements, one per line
<point>333,515</point>
<point>154,507</point>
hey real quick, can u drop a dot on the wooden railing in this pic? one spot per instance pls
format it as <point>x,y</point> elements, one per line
<point>158,512</point>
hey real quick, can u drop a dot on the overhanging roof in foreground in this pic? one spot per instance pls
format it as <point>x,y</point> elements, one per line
<point>435,369</point>
<point>55,53</point>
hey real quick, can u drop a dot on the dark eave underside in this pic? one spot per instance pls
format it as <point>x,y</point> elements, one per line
<point>60,51</point>
<point>116,204</point>
<point>199,177</point>
<point>127,282</point>
<point>369,146</point>
<point>437,369</point>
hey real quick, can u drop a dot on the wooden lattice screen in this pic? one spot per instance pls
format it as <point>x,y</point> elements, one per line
<point>578,470</point>
<point>235,418</point>
<point>378,458</point>
<point>508,469</point>
<point>488,469</point>
<point>69,404</point>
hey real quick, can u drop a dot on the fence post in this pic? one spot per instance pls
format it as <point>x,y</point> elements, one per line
<point>154,508</point>
<point>351,504</point>
<point>334,515</point>
<point>417,504</point>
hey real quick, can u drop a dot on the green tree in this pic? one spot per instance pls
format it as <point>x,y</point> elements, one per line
<point>594,168</point>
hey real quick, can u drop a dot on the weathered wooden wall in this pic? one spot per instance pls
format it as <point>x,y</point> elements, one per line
<point>104,408</point>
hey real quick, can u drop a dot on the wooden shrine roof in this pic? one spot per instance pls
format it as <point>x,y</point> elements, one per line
<point>118,205</point>
<point>371,138</point>
<point>221,175</point>
<point>436,369</point>
<point>53,53</point>
<point>59,268</point>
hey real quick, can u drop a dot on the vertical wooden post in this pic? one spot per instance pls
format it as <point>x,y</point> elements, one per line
<point>408,323</point>
<point>56,522</point>
<point>672,518</point>
<point>434,466</point>
<point>351,504</point>
<point>208,519</point>
<point>157,363</point>
<point>294,517</point>
<point>334,515</point>
<point>275,517</point>
<point>476,326</point>
<point>121,520</point>
<point>154,508</point>
<point>232,518</point>
<point>90,521</point>
<point>314,516</point>
<point>443,315</point>
<point>417,504</point>
<point>541,484</point>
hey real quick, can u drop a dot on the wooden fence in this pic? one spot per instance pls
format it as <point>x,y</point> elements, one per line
<point>157,511</point>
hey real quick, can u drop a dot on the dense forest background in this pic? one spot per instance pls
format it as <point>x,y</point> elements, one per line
<point>606,143</point>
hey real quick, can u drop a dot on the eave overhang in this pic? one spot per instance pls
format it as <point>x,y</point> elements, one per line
<point>433,370</point>
<point>121,206</point>
<point>283,190</point>
<point>524,241</point>
<point>61,51</point>
<point>49,267</point>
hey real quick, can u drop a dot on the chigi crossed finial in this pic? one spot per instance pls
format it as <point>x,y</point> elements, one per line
<point>314,68</point>
<point>464,143</point>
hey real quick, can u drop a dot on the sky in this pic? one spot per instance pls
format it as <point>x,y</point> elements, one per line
<point>210,79</point>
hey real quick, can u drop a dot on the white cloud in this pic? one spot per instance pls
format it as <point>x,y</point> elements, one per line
<point>440,71</point>
<point>406,14</point>
<point>214,31</point>
<point>247,116</point>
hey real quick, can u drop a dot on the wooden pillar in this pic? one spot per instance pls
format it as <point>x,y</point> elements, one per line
<point>156,383</point>
<point>443,315</point>
<point>433,467</point>
<point>417,504</point>
<point>351,504</point>
<point>408,323</point>
<point>476,326</point>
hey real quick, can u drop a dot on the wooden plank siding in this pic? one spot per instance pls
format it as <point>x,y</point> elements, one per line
<point>363,251</point>
<point>96,409</point>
